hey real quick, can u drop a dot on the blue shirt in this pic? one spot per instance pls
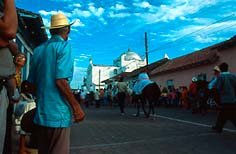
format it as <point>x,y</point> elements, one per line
<point>51,60</point>
<point>212,84</point>
<point>226,86</point>
<point>143,81</point>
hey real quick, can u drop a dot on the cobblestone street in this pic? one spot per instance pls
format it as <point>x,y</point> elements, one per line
<point>173,131</point>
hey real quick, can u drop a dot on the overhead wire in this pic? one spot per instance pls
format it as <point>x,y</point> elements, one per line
<point>191,33</point>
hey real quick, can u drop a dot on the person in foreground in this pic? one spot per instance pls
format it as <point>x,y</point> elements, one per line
<point>51,71</point>
<point>8,29</point>
<point>226,88</point>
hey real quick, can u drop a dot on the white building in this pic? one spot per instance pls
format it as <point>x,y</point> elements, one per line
<point>126,62</point>
<point>129,61</point>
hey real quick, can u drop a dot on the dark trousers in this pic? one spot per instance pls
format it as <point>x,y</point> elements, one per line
<point>8,137</point>
<point>121,100</point>
<point>227,112</point>
<point>53,140</point>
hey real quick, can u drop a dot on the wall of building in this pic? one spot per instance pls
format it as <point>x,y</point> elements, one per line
<point>130,65</point>
<point>183,77</point>
<point>106,72</point>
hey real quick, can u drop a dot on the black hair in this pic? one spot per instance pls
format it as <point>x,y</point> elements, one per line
<point>224,67</point>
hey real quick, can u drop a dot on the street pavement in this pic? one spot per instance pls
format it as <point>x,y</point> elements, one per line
<point>173,131</point>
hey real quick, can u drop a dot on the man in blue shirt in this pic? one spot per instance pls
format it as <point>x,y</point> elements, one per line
<point>51,70</point>
<point>226,88</point>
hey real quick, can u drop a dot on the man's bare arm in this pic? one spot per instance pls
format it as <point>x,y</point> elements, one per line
<point>65,90</point>
<point>9,21</point>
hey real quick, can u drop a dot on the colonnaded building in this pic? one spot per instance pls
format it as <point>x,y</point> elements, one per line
<point>126,62</point>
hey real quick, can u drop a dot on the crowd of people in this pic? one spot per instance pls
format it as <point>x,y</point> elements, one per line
<point>199,97</point>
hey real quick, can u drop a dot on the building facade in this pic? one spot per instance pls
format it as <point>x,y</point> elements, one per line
<point>178,72</point>
<point>126,62</point>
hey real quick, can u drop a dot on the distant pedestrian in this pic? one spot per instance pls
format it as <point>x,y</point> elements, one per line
<point>51,71</point>
<point>97,98</point>
<point>213,94</point>
<point>226,87</point>
<point>122,90</point>
<point>184,98</point>
<point>192,95</point>
<point>212,83</point>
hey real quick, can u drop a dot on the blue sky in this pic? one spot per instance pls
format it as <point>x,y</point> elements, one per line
<point>106,28</point>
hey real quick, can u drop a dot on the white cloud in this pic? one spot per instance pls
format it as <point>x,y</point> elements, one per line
<point>78,23</point>
<point>118,15</point>
<point>77,5</point>
<point>96,11</point>
<point>203,20</point>
<point>207,39</point>
<point>121,35</point>
<point>118,7</point>
<point>102,20</point>
<point>177,9</point>
<point>81,13</point>
<point>143,4</point>
<point>202,33</point>
<point>49,13</point>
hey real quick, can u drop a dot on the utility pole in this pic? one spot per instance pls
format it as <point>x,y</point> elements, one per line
<point>99,79</point>
<point>146,47</point>
<point>146,50</point>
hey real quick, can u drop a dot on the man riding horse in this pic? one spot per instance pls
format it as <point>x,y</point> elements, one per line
<point>146,91</point>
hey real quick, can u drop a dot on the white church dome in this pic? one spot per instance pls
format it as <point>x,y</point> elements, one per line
<point>129,55</point>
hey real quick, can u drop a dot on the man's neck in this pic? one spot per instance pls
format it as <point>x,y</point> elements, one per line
<point>61,36</point>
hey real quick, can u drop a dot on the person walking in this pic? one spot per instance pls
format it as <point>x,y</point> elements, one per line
<point>192,94</point>
<point>51,71</point>
<point>8,29</point>
<point>226,88</point>
<point>122,89</point>
<point>213,95</point>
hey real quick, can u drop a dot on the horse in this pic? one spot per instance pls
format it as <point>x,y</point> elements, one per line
<point>148,99</point>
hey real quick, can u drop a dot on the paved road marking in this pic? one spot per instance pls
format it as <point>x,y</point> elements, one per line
<point>138,141</point>
<point>189,122</point>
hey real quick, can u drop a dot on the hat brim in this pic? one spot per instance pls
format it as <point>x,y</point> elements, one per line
<point>59,26</point>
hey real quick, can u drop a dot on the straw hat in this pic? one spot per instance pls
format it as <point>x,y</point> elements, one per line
<point>216,68</point>
<point>59,21</point>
